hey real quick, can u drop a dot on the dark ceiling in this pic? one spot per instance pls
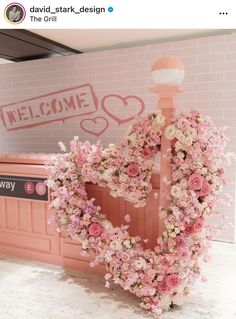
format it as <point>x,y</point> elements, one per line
<point>22,45</point>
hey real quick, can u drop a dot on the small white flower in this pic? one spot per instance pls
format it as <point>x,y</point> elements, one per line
<point>62,146</point>
<point>170,132</point>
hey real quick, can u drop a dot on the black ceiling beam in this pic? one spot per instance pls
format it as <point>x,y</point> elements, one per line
<point>22,45</point>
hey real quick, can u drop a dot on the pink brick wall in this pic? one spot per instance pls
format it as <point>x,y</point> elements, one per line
<point>210,86</point>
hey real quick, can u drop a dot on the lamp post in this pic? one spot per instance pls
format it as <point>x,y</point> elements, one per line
<point>167,73</point>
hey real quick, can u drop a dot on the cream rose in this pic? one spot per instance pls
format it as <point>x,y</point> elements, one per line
<point>140,263</point>
<point>160,119</point>
<point>175,190</point>
<point>116,245</point>
<point>180,136</point>
<point>170,132</point>
<point>188,141</point>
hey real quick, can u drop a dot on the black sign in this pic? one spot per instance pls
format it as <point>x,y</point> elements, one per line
<point>23,187</point>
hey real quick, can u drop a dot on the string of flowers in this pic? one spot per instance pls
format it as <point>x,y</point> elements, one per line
<point>160,276</point>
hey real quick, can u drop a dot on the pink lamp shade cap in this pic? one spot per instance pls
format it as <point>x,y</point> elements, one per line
<point>168,71</point>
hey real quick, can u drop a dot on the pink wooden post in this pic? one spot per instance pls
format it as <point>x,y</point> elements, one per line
<point>168,73</point>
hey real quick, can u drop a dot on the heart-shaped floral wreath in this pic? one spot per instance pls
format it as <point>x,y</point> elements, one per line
<point>160,277</point>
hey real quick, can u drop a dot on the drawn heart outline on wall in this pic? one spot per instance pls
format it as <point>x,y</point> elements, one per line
<point>96,120</point>
<point>126,101</point>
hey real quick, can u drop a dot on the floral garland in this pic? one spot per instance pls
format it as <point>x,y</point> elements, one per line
<point>160,277</point>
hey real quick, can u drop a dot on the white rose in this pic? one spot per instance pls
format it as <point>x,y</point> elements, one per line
<point>64,220</point>
<point>106,224</point>
<point>85,244</point>
<point>188,141</point>
<point>213,169</point>
<point>181,123</point>
<point>176,175</point>
<point>127,243</point>
<point>180,155</point>
<point>204,170</point>
<point>133,197</point>
<point>116,245</point>
<point>132,137</point>
<point>178,146</point>
<point>140,263</point>
<point>172,234</point>
<point>56,203</point>
<point>170,132</point>
<point>180,136</point>
<point>184,166</point>
<point>123,178</point>
<point>191,133</point>
<point>175,191</point>
<point>160,119</point>
<point>184,183</point>
<point>177,230</point>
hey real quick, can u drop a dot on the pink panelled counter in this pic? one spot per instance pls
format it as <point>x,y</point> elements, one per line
<point>24,214</point>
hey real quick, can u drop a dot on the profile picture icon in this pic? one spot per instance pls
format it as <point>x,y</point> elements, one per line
<point>14,13</point>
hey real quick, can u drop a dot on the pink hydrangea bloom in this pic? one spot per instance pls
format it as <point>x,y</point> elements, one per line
<point>133,169</point>
<point>183,253</point>
<point>195,182</point>
<point>181,242</point>
<point>95,229</point>
<point>80,160</point>
<point>205,190</point>
<point>172,281</point>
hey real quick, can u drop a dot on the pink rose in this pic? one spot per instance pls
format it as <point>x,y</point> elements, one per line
<point>80,160</point>
<point>133,169</point>
<point>181,242</point>
<point>189,230</point>
<point>195,182</point>
<point>172,281</point>
<point>198,225</point>
<point>205,190</point>
<point>147,153</point>
<point>95,229</point>
<point>162,287</point>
